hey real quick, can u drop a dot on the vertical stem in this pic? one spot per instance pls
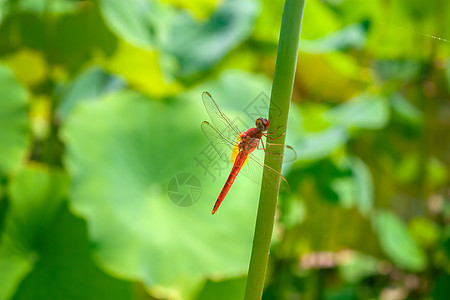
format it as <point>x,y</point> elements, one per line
<point>278,113</point>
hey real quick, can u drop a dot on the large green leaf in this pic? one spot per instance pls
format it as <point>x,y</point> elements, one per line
<point>397,243</point>
<point>13,121</point>
<point>34,197</point>
<point>123,152</point>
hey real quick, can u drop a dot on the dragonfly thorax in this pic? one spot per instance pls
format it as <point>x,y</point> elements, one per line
<point>250,139</point>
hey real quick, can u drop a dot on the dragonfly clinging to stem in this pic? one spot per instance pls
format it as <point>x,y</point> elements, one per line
<point>237,147</point>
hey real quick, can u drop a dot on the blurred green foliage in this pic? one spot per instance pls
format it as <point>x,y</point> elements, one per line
<point>100,108</point>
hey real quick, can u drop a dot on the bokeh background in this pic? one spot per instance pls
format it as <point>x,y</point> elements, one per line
<point>100,113</point>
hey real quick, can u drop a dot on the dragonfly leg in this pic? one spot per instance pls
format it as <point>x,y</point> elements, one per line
<point>265,151</point>
<point>275,130</point>
<point>271,138</point>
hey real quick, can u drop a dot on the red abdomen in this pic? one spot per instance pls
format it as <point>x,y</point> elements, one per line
<point>238,163</point>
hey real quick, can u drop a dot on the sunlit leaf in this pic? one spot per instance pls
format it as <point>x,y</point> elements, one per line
<point>35,195</point>
<point>40,116</point>
<point>425,231</point>
<point>318,20</point>
<point>438,172</point>
<point>13,121</point>
<point>267,24</point>
<point>142,70</point>
<point>28,66</point>
<point>200,8</point>
<point>397,243</point>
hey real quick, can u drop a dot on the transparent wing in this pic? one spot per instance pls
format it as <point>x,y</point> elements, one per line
<point>289,154</point>
<point>255,166</point>
<point>221,122</point>
<point>222,144</point>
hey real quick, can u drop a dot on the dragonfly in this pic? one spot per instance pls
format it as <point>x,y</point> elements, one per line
<point>237,147</point>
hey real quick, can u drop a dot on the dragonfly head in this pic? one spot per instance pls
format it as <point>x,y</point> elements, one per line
<point>262,124</point>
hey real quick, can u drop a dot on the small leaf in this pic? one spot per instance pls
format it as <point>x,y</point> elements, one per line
<point>397,243</point>
<point>425,231</point>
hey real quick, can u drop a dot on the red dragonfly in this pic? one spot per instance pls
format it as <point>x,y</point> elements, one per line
<point>236,147</point>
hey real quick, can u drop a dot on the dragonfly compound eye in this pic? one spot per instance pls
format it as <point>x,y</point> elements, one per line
<point>262,124</point>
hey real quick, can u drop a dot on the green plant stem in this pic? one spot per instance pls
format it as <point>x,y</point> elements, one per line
<point>278,113</point>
